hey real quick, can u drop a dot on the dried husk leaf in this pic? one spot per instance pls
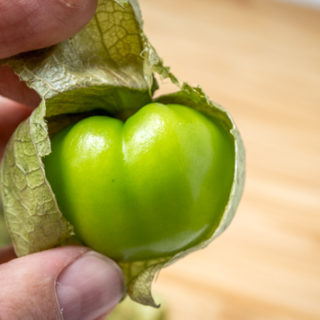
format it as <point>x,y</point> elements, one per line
<point>130,310</point>
<point>109,65</point>
<point>33,217</point>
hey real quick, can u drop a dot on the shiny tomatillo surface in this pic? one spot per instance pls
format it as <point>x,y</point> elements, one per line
<point>145,188</point>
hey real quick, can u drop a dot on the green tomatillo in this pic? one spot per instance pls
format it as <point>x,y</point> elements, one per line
<point>145,188</point>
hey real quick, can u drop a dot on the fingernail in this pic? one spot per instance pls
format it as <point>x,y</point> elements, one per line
<point>89,288</point>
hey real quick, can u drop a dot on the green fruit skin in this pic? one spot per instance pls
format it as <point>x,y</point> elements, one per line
<point>145,188</point>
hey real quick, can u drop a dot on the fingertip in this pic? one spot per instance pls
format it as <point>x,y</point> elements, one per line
<point>34,24</point>
<point>90,287</point>
<point>70,282</point>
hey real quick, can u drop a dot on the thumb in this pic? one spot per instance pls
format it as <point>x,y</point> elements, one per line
<point>62,283</point>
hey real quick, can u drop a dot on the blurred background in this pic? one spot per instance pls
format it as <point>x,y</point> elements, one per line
<point>261,60</point>
<point>311,3</point>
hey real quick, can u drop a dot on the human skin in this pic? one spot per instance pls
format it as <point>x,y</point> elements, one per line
<point>52,282</point>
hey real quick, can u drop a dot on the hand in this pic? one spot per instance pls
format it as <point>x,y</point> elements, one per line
<point>30,25</point>
<point>62,283</point>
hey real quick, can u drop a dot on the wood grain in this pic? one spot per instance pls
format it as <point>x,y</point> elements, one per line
<point>261,60</point>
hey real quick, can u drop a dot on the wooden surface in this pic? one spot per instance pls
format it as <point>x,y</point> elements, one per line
<point>261,60</point>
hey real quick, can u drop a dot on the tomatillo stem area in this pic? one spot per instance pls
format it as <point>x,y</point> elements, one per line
<point>145,188</point>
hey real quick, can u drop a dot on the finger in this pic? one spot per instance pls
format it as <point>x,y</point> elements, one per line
<point>34,24</point>
<point>67,282</point>
<point>12,88</point>
<point>11,114</point>
<point>6,254</point>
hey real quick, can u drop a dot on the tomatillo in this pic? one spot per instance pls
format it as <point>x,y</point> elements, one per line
<point>145,188</point>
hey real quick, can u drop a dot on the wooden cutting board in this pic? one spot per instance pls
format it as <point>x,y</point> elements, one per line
<point>261,60</point>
